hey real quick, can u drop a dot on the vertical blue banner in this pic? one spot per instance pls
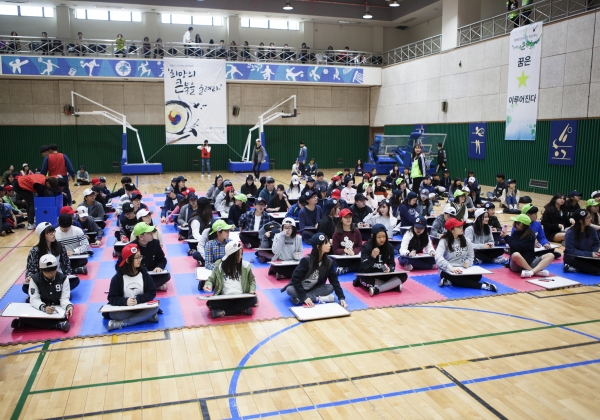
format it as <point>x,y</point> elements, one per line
<point>563,135</point>
<point>477,140</point>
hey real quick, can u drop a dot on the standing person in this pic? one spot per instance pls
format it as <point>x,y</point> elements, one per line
<point>187,40</point>
<point>231,276</point>
<point>582,241</point>
<point>511,6</point>
<point>302,156</point>
<point>258,158</point>
<point>130,286</point>
<point>205,156</point>
<point>308,284</point>
<point>56,164</point>
<point>377,256</point>
<point>525,20</point>
<point>418,169</point>
<point>441,158</point>
<point>454,253</point>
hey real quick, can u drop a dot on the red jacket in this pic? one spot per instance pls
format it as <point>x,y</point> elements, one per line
<point>56,165</point>
<point>26,182</point>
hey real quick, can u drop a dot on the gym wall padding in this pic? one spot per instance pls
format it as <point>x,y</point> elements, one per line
<point>521,160</point>
<point>97,147</point>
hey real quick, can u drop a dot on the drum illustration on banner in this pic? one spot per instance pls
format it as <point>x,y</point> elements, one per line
<point>195,101</point>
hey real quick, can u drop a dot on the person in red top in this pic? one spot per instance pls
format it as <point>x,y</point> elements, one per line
<point>205,155</point>
<point>56,164</point>
<point>27,186</point>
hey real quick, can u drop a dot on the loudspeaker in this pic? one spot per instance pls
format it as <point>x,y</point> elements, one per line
<point>444,106</point>
<point>236,110</point>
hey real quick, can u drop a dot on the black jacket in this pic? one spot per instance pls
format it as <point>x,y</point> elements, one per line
<point>551,219</point>
<point>500,187</point>
<point>90,226</point>
<point>441,157</point>
<point>115,292</point>
<point>326,271</point>
<point>120,192</point>
<point>126,225</point>
<point>360,214</point>
<point>368,264</point>
<point>249,189</point>
<point>446,182</point>
<point>50,291</point>
<point>152,253</point>
<point>525,247</point>
<point>327,225</point>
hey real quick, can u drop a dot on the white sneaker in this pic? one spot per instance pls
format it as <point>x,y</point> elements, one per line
<point>526,273</point>
<point>326,299</point>
<point>408,267</point>
<point>543,273</point>
<point>30,226</point>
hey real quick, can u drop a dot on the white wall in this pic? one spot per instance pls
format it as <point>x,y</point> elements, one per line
<point>490,8</point>
<point>27,26</point>
<point>339,36</point>
<point>394,38</point>
<point>412,92</point>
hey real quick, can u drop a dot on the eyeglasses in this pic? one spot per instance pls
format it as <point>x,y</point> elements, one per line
<point>287,228</point>
<point>139,257</point>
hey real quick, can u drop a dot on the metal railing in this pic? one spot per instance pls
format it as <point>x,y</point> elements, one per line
<point>539,11</point>
<point>157,50</point>
<point>417,49</point>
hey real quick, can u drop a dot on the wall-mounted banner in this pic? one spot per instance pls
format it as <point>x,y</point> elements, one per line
<point>80,67</point>
<point>523,82</point>
<point>294,73</point>
<point>195,101</point>
<point>563,135</point>
<point>477,140</point>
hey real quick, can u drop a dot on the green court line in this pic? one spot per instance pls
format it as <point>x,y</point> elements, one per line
<point>27,389</point>
<point>314,359</point>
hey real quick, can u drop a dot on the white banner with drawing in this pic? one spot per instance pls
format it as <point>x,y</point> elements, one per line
<point>195,101</point>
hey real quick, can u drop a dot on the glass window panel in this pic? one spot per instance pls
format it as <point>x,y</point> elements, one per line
<point>48,11</point>
<point>245,23</point>
<point>259,23</point>
<point>203,20</point>
<point>32,11</point>
<point>278,24</point>
<point>217,21</point>
<point>181,19</point>
<point>121,16</point>
<point>80,14</point>
<point>97,14</point>
<point>165,18</point>
<point>9,10</point>
<point>136,16</point>
<point>294,26</point>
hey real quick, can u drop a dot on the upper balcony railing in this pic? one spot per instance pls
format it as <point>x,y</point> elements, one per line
<point>417,49</point>
<point>157,50</point>
<point>538,11</point>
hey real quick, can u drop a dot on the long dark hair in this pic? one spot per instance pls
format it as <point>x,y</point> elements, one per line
<point>454,185</point>
<point>217,177</point>
<point>449,237</point>
<point>55,247</point>
<point>479,227</point>
<point>414,154</point>
<point>383,249</point>
<point>587,230</point>
<point>552,203</point>
<point>128,269</point>
<point>315,253</point>
<point>407,201</point>
<point>422,240</point>
<point>526,233</point>
<point>339,227</point>
<point>231,267</point>
<point>228,200</point>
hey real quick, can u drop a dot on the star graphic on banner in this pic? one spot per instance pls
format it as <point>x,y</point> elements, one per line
<point>522,79</point>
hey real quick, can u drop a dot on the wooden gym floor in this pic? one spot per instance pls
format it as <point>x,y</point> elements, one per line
<point>527,355</point>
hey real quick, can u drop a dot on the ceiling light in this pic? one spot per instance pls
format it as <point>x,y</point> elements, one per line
<point>367,14</point>
<point>394,3</point>
<point>288,6</point>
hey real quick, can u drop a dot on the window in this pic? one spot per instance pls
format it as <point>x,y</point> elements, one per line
<point>80,14</point>
<point>136,16</point>
<point>181,19</point>
<point>116,15</point>
<point>27,11</point>
<point>164,18</point>
<point>189,20</point>
<point>202,20</point>
<point>270,24</point>
<point>120,16</point>
<point>97,14</point>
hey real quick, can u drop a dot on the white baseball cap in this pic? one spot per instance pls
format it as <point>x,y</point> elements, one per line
<point>48,261</point>
<point>88,192</point>
<point>41,227</point>
<point>479,212</point>
<point>450,210</point>
<point>471,179</point>
<point>295,180</point>
<point>466,189</point>
<point>142,212</point>
<point>288,221</point>
<point>231,248</point>
<point>82,211</point>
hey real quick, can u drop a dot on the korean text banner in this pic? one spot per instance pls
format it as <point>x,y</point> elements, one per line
<point>195,101</point>
<point>523,82</point>
<point>477,140</point>
<point>563,135</point>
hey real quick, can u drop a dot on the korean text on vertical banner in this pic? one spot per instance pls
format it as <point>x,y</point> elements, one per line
<point>477,140</point>
<point>523,82</point>
<point>195,101</point>
<point>563,135</point>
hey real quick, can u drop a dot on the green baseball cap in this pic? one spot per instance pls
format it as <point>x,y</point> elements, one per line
<point>399,181</point>
<point>521,218</point>
<point>529,208</point>
<point>142,227</point>
<point>458,193</point>
<point>220,225</point>
<point>241,197</point>
<point>591,203</point>
<point>339,173</point>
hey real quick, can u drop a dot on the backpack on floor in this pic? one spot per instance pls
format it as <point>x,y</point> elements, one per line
<point>525,199</point>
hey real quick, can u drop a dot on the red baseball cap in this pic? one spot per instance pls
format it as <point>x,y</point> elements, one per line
<point>336,194</point>
<point>95,181</point>
<point>188,191</point>
<point>67,210</point>
<point>8,188</point>
<point>128,251</point>
<point>335,178</point>
<point>228,189</point>
<point>345,212</point>
<point>452,223</point>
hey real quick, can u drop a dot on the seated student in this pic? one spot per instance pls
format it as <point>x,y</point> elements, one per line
<point>377,256</point>
<point>437,229</point>
<point>223,204</point>
<point>424,205</point>
<point>596,196</point>
<point>358,168</point>
<point>268,192</point>
<point>287,246</point>
<point>582,241</point>
<point>294,211</point>
<point>470,174</point>
<point>295,188</point>
<point>320,181</point>
<point>131,285</point>
<point>6,218</point>
<point>74,241</point>
<point>145,215</point>
<point>310,185</point>
<point>510,196</point>
<point>280,202</point>
<point>263,183</point>
<point>474,199</point>
<point>407,177</point>
<point>540,238</point>
<point>482,240</point>
<point>180,185</point>
<point>459,205</point>
<point>296,169</point>
<point>493,221</point>
<point>383,215</point>
<point>360,188</point>
<point>95,209</point>
<point>371,201</point>
<point>473,185</point>
<point>51,289</point>
<point>47,244</point>
<point>186,211</point>
<point>454,253</point>
<point>121,191</point>
<point>445,182</point>
<point>214,189</point>
<point>379,189</point>
<point>416,241</point>
<point>125,198</point>
<point>68,210</point>
<point>249,188</point>
<point>360,210</point>
<point>215,248</point>
<point>9,198</point>
<point>266,235</point>
<point>408,210</point>
<point>328,221</point>
<point>438,189</point>
<point>321,195</point>
<point>555,220</point>
<point>228,190</point>
<point>348,192</point>
<point>523,258</point>
<point>253,220</point>
<point>468,202</point>
<point>200,219</point>
<point>83,178</point>
<point>88,225</point>
<point>592,206</point>
<point>231,276</point>
<point>337,195</point>
<point>393,175</point>
<point>171,201</point>
<point>127,222</point>
<point>309,216</point>
<point>346,240</point>
<point>239,207</point>
<point>501,185</point>
<point>335,184</point>
<point>346,176</point>
<point>312,168</point>
<point>308,284</point>
<point>572,203</point>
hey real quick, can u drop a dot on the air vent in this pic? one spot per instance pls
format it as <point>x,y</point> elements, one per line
<point>402,27</point>
<point>409,20</point>
<point>347,22</point>
<point>536,183</point>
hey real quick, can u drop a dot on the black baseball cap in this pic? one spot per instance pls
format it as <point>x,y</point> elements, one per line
<point>127,208</point>
<point>308,194</point>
